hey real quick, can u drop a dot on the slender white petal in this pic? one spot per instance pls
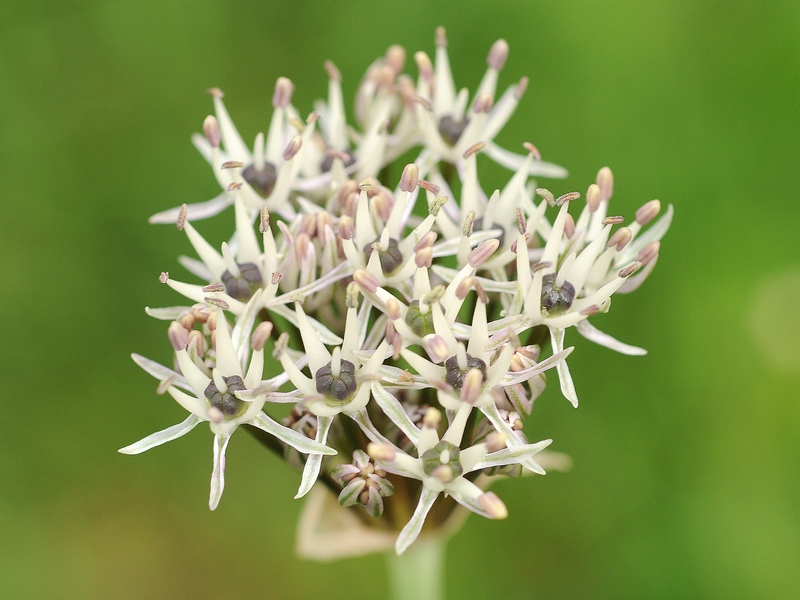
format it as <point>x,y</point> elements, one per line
<point>590,332</point>
<point>314,461</point>
<point>163,436</point>
<point>218,473</point>
<point>567,387</point>
<point>296,440</point>
<point>414,526</point>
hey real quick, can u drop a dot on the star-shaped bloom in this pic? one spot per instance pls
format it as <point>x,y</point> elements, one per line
<point>442,467</point>
<point>267,175</point>
<point>339,381</point>
<point>216,398</point>
<point>451,124</point>
<point>582,265</point>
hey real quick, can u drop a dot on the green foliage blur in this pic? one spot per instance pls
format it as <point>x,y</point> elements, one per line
<point>686,482</point>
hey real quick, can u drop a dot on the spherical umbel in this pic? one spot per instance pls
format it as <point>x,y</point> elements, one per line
<point>337,388</point>
<point>226,401</point>
<point>556,300</point>
<point>455,376</point>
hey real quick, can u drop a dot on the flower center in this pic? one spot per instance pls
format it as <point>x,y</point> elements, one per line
<point>391,258</point>
<point>243,287</point>
<point>455,376</point>
<point>451,130</point>
<point>337,389</point>
<point>556,300</point>
<point>443,461</point>
<point>261,181</point>
<point>226,401</point>
<point>421,324</point>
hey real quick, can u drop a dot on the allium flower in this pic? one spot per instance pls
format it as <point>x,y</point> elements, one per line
<point>338,382</point>
<point>450,123</point>
<point>216,398</point>
<point>443,468</point>
<point>267,175</point>
<point>582,265</point>
<point>458,290</point>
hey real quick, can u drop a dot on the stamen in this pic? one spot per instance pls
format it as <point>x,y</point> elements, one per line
<point>410,178</point>
<point>469,224</point>
<point>232,164</point>
<point>521,87</point>
<point>482,252</point>
<point>261,335</point>
<point>568,197</point>
<point>630,270</point>
<point>474,149</point>
<point>216,302</point>
<point>441,37</point>
<point>547,196</point>
<point>211,131</point>
<point>648,253</point>
<point>346,227</point>
<point>612,220</point>
<point>493,506</point>
<point>593,197</point>
<point>283,93</point>
<point>648,212</point>
<point>498,55</point>
<point>620,238</point>
<point>533,150</point>
<point>366,280</point>
<point>424,65</point>
<point>332,71</point>
<point>605,181</point>
<point>293,147</point>
<point>428,186</point>
<point>164,277</point>
<point>437,205</point>
<point>182,217</point>
<point>178,336</point>
<point>396,58</point>
<point>263,226</point>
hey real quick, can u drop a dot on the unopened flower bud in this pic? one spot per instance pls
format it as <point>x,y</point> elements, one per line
<point>620,238</point>
<point>605,181</point>
<point>424,65</point>
<point>593,197</point>
<point>409,178</point>
<point>381,452</point>
<point>647,212</point>
<point>648,253</point>
<point>495,441</point>
<point>293,147</point>
<point>178,336</point>
<point>211,131</point>
<point>482,252</point>
<point>261,335</point>
<point>498,55</point>
<point>283,92</point>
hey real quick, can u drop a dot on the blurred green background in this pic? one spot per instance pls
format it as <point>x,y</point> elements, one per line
<point>686,481</point>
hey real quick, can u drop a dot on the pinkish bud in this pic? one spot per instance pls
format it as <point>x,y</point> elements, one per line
<point>396,58</point>
<point>441,37</point>
<point>620,238</point>
<point>647,212</point>
<point>423,258</point>
<point>409,178</point>
<point>648,253</point>
<point>293,147</point>
<point>437,348</point>
<point>261,335</point>
<point>211,131</point>
<point>498,55</point>
<point>569,226</point>
<point>178,336</point>
<point>482,252</point>
<point>493,506</point>
<point>483,103</point>
<point>605,181</point>
<point>283,92</point>
<point>521,87</point>
<point>332,71</point>
<point>366,280</point>
<point>424,65</point>
<point>593,197</point>
<point>346,227</point>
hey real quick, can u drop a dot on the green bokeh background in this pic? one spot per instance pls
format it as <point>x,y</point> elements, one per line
<point>686,480</point>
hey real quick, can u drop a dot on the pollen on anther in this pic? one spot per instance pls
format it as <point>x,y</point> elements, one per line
<point>182,217</point>
<point>164,277</point>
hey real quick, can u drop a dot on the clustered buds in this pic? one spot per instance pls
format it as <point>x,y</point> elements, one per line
<point>407,326</point>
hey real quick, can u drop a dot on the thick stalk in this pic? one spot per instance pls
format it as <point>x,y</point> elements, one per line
<point>418,574</point>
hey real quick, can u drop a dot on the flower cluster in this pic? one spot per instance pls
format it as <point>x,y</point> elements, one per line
<point>408,327</point>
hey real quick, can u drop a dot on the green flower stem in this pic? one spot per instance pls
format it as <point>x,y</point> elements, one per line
<point>418,574</point>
